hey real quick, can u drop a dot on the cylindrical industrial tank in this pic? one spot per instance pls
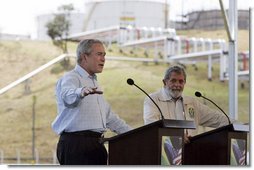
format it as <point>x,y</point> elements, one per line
<point>137,13</point>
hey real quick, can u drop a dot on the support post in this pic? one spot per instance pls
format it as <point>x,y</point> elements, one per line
<point>233,61</point>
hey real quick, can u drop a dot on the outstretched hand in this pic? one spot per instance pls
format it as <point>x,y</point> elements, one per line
<point>90,90</point>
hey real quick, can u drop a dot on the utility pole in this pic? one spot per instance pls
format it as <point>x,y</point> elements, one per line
<point>33,129</point>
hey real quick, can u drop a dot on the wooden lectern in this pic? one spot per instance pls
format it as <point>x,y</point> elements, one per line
<point>144,145</point>
<point>226,145</point>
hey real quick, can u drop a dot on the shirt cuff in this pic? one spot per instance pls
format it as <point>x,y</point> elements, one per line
<point>79,92</point>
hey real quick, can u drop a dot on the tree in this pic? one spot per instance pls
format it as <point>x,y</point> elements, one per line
<point>59,27</point>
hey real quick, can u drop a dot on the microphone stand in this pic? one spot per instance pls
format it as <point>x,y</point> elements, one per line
<point>162,117</point>
<point>131,82</point>
<point>198,94</point>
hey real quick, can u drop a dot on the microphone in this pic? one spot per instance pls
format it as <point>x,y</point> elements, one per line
<point>198,94</point>
<point>131,82</point>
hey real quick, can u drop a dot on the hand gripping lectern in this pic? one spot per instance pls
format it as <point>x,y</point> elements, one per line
<point>158,143</point>
<point>226,145</point>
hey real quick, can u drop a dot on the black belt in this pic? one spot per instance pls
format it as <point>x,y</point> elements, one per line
<point>87,133</point>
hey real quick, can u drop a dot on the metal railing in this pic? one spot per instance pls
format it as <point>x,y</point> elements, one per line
<point>36,71</point>
<point>18,159</point>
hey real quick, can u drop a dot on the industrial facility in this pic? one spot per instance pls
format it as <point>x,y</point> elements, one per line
<point>137,13</point>
<point>140,14</point>
<point>106,13</point>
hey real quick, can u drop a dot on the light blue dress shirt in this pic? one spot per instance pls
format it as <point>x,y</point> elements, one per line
<point>89,113</point>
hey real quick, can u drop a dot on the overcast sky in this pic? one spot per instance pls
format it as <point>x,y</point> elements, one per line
<point>19,16</point>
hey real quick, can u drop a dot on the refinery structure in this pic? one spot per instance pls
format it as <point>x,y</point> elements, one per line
<point>106,13</point>
<point>136,13</point>
<point>145,15</point>
<point>147,24</point>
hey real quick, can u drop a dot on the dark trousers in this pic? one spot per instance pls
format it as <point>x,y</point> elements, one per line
<point>81,148</point>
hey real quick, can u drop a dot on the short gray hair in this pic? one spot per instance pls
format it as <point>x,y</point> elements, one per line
<point>85,47</point>
<point>176,69</point>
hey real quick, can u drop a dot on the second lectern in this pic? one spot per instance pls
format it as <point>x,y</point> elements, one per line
<point>226,145</point>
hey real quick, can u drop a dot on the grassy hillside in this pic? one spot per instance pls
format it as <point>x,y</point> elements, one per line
<point>19,58</point>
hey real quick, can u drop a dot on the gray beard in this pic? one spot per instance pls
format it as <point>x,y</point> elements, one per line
<point>174,93</point>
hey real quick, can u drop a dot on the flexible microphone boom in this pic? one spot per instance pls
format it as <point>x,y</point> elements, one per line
<point>198,94</point>
<point>131,82</point>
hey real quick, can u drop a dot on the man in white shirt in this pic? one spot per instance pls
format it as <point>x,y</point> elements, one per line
<point>83,113</point>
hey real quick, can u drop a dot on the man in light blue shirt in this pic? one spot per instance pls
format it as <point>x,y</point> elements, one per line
<point>83,113</point>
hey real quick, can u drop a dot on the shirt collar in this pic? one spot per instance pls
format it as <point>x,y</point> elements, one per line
<point>83,73</point>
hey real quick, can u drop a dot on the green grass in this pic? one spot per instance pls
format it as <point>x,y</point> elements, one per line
<point>19,58</point>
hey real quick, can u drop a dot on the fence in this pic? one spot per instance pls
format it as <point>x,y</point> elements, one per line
<point>19,160</point>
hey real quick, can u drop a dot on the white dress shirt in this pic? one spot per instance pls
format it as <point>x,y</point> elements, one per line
<point>89,113</point>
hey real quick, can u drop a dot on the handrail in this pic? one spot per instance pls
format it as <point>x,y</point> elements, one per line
<point>36,71</point>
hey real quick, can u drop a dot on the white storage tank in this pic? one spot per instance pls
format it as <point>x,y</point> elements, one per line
<point>137,13</point>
